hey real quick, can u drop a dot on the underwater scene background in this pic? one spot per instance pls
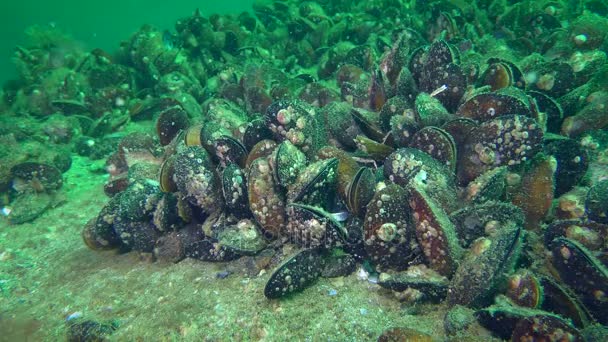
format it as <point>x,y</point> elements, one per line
<point>386,170</point>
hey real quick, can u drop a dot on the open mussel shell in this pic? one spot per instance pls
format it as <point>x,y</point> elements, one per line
<point>388,231</point>
<point>315,184</point>
<point>360,191</point>
<point>295,274</point>
<point>234,187</point>
<point>507,140</point>
<point>288,162</point>
<point>242,238</point>
<point>488,261</point>
<point>524,324</point>
<point>584,274</point>
<point>438,143</point>
<point>475,221</point>
<point>502,74</point>
<point>310,226</point>
<point>435,232</point>
<point>432,286</point>
<point>266,199</point>
<point>210,249</point>
<point>38,177</point>
<point>166,174</point>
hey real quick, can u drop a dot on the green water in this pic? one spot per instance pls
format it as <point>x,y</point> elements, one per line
<point>100,24</point>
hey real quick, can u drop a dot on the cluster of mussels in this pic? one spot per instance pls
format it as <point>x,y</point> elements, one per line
<point>464,171</point>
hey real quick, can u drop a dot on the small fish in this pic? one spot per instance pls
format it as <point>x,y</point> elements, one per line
<point>340,216</point>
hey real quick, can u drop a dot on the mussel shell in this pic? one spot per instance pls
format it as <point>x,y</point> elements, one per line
<point>140,236</point>
<point>166,175</point>
<point>450,76</point>
<point>502,320</point>
<point>388,232</point>
<point>435,232</point>
<point>433,287</point>
<point>288,161</point>
<point>590,234</point>
<point>489,186</point>
<point>234,188</point>
<point>507,140</point>
<point>438,143</point>
<point>36,176</point>
<point>210,250</point>
<point>360,191</point>
<point>266,200</point>
<point>560,300</point>
<point>229,150</point>
<point>572,163</point>
<point>242,238</point>
<point>311,227</point>
<point>316,184</point>
<point>596,204</point>
<point>255,132</point>
<point>487,106</point>
<point>524,289</point>
<point>552,110</point>
<point>263,149</point>
<point>170,122</point>
<point>584,274</point>
<point>484,268</point>
<point>295,274</point>
<point>471,221</point>
<point>99,233</point>
<point>196,179</point>
<point>166,216</point>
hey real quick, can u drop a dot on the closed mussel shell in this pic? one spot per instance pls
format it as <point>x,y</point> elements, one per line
<point>196,179</point>
<point>584,274</point>
<point>295,274</point>
<point>288,162</point>
<point>243,238</point>
<point>388,231</point>
<point>507,321</point>
<point>484,268</point>
<point>210,249</point>
<point>34,176</point>
<point>524,289</point>
<point>266,199</point>
<point>229,150</point>
<point>438,143</point>
<point>433,286</point>
<point>99,233</point>
<point>170,122</point>
<point>477,220</point>
<point>435,232</point>
<point>557,298</point>
<point>507,140</point>
<point>590,234</point>
<point>596,204</point>
<point>234,187</point>
<point>487,106</point>
<point>255,132</point>
<point>166,175</point>
<point>572,163</point>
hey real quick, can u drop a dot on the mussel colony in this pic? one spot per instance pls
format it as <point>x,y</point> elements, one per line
<point>456,148</point>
